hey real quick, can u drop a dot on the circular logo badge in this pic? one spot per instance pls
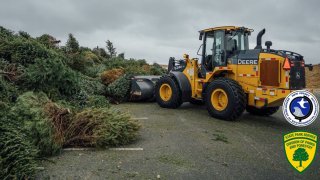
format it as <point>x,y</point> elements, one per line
<point>300,108</point>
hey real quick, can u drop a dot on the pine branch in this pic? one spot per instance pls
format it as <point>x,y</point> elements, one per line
<point>7,73</point>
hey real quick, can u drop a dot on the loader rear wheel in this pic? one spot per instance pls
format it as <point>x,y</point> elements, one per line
<point>168,94</point>
<point>268,111</point>
<point>225,99</point>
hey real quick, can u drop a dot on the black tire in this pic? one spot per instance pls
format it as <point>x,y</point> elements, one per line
<point>196,101</point>
<point>236,99</point>
<point>263,111</point>
<point>175,100</point>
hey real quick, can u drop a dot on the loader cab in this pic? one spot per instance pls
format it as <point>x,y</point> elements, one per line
<point>221,43</point>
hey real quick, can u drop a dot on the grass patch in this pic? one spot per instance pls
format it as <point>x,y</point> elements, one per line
<point>174,160</point>
<point>220,137</point>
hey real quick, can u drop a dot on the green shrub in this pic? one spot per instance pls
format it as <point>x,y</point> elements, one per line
<point>95,70</point>
<point>3,107</point>
<point>8,91</point>
<point>48,40</point>
<point>11,71</point>
<point>101,127</point>
<point>72,45</point>
<point>78,62</point>
<point>24,34</point>
<point>119,89</point>
<point>83,100</point>
<point>92,86</point>
<point>96,101</point>
<point>131,66</point>
<point>30,111</point>
<point>90,56</point>
<point>26,51</point>
<point>156,69</point>
<point>17,155</point>
<point>51,76</point>
<point>6,33</point>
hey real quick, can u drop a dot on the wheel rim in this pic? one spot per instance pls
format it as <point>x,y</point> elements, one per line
<point>165,92</point>
<point>219,99</point>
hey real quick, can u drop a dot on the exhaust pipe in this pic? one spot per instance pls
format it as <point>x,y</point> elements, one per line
<point>259,37</point>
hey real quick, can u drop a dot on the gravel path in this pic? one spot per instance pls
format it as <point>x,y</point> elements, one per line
<point>186,143</point>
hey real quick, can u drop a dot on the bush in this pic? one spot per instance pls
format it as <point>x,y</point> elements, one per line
<point>34,126</point>
<point>48,41</point>
<point>90,56</point>
<point>17,155</point>
<point>156,69</point>
<point>6,33</point>
<point>131,67</point>
<point>52,77</point>
<point>109,76</point>
<point>101,127</point>
<point>8,91</point>
<point>72,45</point>
<point>119,89</point>
<point>94,71</point>
<point>78,62</point>
<point>36,123</point>
<point>24,51</point>
<point>83,100</point>
<point>11,71</point>
<point>96,101</point>
<point>50,126</point>
<point>3,107</point>
<point>92,86</point>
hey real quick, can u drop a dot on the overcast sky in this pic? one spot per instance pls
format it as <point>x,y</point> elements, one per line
<point>157,29</point>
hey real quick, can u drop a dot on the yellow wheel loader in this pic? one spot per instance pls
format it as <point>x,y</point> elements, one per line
<point>230,77</point>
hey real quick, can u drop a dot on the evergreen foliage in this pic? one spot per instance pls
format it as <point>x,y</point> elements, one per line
<point>72,45</point>
<point>54,96</point>
<point>101,127</point>
<point>17,155</point>
<point>51,76</point>
<point>111,49</point>
<point>119,89</point>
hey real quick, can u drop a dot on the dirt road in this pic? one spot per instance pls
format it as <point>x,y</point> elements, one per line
<point>186,143</point>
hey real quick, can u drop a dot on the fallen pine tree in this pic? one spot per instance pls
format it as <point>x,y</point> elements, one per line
<point>37,127</point>
<point>53,97</point>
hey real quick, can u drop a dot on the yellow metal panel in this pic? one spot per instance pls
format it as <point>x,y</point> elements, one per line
<point>248,78</point>
<point>282,72</point>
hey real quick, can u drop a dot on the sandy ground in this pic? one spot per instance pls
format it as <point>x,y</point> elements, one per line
<point>313,77</point>
<point>186,143</point>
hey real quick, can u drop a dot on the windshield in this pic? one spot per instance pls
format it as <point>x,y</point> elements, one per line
<point>237,41</point>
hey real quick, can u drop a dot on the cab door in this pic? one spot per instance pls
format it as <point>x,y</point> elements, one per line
<point>219,58</point>
<point>207,54</point>
<point>213,54</point>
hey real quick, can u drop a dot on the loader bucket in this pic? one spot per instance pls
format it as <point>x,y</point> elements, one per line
<point>142,88</point>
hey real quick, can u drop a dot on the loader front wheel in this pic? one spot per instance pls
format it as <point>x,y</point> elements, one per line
<point>225,99</point>
<point>268,111</point>
<point>168,94</point>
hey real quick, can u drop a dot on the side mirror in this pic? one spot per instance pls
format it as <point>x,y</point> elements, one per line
<point>199,50</point>
<point>200,36</point>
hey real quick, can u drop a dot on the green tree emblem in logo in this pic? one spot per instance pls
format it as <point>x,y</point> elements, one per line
<point>300,155</point>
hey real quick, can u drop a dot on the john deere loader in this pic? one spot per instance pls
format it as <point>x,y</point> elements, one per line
<point>231,78</point>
